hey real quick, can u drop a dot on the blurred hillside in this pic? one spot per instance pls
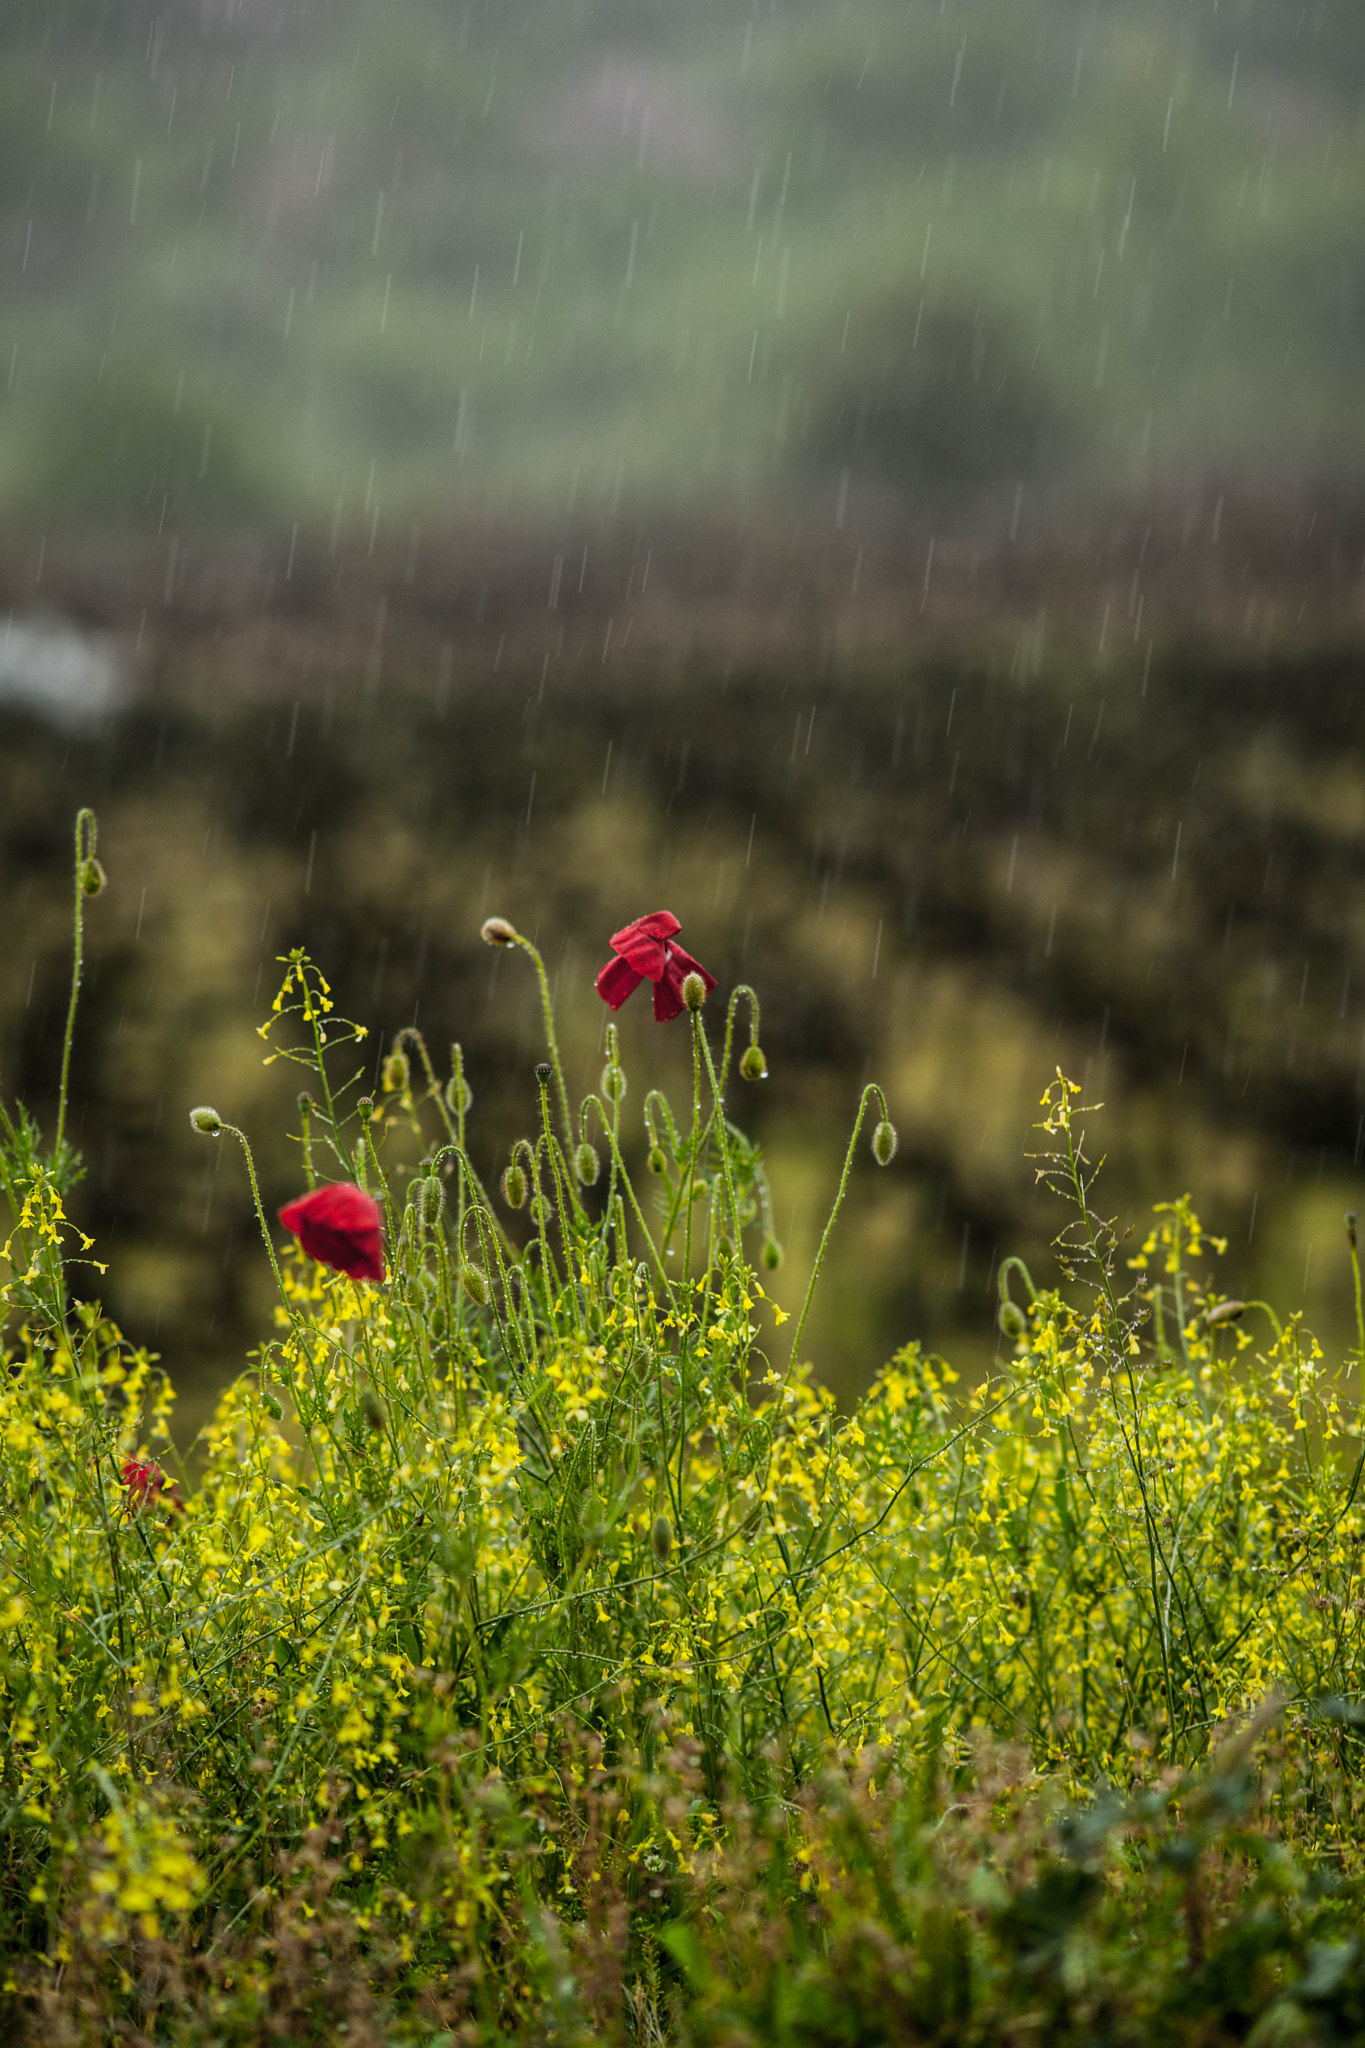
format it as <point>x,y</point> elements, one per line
<point>360,264</point>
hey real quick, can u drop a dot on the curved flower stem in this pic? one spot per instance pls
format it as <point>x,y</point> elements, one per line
<point>232,1131</point>
<point>872,1090</point>
<point>551,1041</point>
<point>741,989</point>
<point>86,831</point>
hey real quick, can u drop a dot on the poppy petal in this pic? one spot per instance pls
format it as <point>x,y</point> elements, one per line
<point>339,1225</point>
<point>668,1001</point>
<point>617,980</point>
<point>682,964</point>
<point>642,943</point>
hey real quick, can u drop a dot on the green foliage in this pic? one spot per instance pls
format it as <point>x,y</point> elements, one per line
<point>546,1658</point>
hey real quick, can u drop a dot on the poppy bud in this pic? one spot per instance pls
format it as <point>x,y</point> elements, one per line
<point>514,1185</point>
<point>1012,1321</point>
<point>459,1095</point>
<point>1224,1312</point>
<point>772,1255</point>
<point>753,1066</point>
<point>657,1161</point>
<point>432,1197</point>
<point>397,1071</point>
<point>693,992</point>
<point>884,1142</point>
<point>93,877</point>
<point>613,1083</point>
<point>474,1281</point>
<point>661,1539</point>
<point>306,1104</point>
<point>364,1108</point>
<point>496,931</point>
<point>586,1164</point>
<point>206,1121</point>
<point>543,1072</point>
<point>272,1406</point>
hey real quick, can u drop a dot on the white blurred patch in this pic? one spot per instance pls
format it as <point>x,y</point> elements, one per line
<point>50,666</point>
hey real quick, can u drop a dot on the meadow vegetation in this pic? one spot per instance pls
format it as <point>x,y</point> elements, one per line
<point>530,1650</point>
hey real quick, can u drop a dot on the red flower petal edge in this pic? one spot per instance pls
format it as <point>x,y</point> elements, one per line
<point>645,952</point>
<point>340,1226</point>
<point>148,1486</point>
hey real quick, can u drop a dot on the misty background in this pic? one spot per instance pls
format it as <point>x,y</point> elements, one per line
<point>880,479</point>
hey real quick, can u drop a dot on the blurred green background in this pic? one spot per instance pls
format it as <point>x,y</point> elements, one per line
<point>881,479</point>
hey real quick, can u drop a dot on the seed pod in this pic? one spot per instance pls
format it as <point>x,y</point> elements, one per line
<point>93,877</point>
<point>693,992</point>
<point>397,1071</point>
<point>474,1281</point>
<point>496,931</point>
<point>1013,1322</point>
<point>586,1164</point>
<point>661,1539</point>
<point>543,1073</point>
<point>206,1121</point>
<point>514,1184</point>
<point>754,1066</point>
<point>884,1142</point>
<point>657,1161</point>
<point>364,1108</point>
<point>772,1255</point>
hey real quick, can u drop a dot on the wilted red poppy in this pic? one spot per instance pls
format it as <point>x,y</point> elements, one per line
<point>148,1485</point>
<point>645,952</point>
<point>340,1226</point>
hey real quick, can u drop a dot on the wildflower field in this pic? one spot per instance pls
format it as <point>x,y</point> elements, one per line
<point>531,1652</point>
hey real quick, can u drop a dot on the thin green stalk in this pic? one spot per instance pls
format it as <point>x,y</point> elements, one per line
<point>85,837</point>
<point>872,1090</point>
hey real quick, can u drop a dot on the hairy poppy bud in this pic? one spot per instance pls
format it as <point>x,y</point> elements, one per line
<point>753,1066</point>
<point>1224,1312</point>
<point>364,1108</point>
<point>514,1184</point>
<point>586,1164</point>
<point>496,931</point>
<point>1013,1322</point>
<point>397,1071</point>
<point>657,1161</point>
<point>206,1121</point>
<point>474,1281</point>
<point>432,1197</point>
<point>772,1255</point>
<point>884,1143</point>
<point>693,992</point>
<point>271,1406</point>
<point>613,1083</point>
<point>459,1095</point>
<point>543,1072</point>
<point>93,877</point>
<point>661,1539</point>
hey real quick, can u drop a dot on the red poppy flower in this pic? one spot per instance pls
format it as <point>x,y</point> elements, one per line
<point>645,952</point>
<point>340,1226</point>
<point>148,1486</point>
